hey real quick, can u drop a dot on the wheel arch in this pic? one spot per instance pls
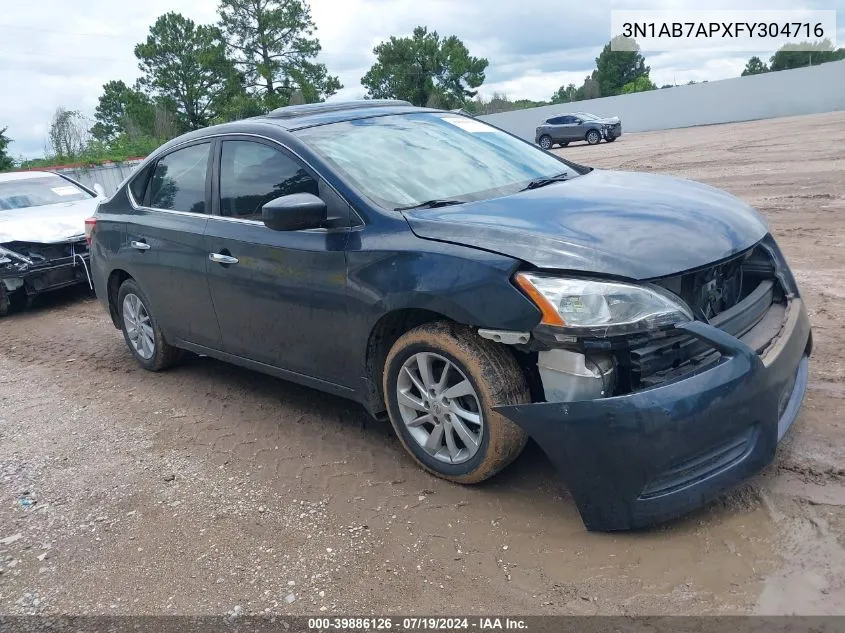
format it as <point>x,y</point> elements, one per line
<point>115,281</point>
<point>384,333</point>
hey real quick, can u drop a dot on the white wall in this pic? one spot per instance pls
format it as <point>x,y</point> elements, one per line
<point>109,175</point>
<point>785,93</point>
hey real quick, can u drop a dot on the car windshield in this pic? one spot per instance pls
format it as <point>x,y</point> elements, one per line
<point>587,116</point>
<point>37,191</point>
<point>409,159</point>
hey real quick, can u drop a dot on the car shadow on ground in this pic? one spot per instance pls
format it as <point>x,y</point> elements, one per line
<point>581,145</point>
<point>345,418</point>
<point>345,424</point>
<point>44,302</point>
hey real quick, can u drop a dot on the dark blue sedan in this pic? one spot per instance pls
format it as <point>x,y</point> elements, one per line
<point>476,290</point>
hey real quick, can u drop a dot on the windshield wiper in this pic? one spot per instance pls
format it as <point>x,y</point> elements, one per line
<point>542,182</point>
<point>430,204</point>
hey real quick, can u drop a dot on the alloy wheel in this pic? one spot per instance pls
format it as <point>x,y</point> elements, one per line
<point>139,329</point>
<point>440,408</point>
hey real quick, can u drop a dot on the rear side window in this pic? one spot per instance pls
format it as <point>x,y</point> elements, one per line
<point>138,185</point>
<point>252,174</point>
<point>178,180</point>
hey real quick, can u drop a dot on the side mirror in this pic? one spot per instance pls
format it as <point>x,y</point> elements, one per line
<point>295,212</point>
<point>578,121</point>
<point>100,190</point>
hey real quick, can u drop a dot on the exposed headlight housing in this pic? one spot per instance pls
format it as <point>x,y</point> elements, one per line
<point>586,307</point>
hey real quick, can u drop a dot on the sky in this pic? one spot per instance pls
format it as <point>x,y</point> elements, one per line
<point>54,54</point>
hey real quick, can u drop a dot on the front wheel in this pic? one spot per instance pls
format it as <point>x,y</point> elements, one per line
<point>441,383</point>
<point>593,137</point>
<point>546,141</point>
<point>141,331</point>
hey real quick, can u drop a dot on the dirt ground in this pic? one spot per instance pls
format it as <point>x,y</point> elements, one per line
<point>212,489</point>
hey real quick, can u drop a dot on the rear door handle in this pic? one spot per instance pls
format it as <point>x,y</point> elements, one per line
<point>141,246</point>
<point>219,258</point>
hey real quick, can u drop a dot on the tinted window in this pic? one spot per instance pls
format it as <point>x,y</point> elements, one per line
<point>252,174</point>
<point>556,121</point>
<point>567,119</point>
<point>406,159</point>
<point>178,181</point>
<point>138,185</point>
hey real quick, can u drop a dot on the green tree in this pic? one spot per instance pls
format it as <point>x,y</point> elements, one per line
<point>755,66</point>
<point>640,84</point>
<point>811,54</point>
<point>6,162</point>
<point>618,64</point>
<point>122,109</point>
<point>424,67</point>
<point>590,89</point>
<point>273,44</point>
<point>187,64</point>
<point>565,94</point>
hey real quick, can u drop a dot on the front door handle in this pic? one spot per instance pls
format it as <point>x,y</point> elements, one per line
<point>219,258</point>
<point>141,246</point>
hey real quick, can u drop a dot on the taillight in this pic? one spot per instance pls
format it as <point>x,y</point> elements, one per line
<point>90,224</point>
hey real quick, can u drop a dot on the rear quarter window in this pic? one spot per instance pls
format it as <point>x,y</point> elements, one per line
<point>138,184</point>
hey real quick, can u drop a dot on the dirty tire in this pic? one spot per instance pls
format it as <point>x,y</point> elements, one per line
<point>164,355</point>
<point>546,141</point>
<point>497,379</point>
<point>593,137</point>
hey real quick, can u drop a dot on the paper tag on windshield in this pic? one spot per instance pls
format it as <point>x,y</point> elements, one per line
<point>470,125</point>
<point>67,190</point>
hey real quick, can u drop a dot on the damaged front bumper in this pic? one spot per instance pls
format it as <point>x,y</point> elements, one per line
<point>635,460</point>
<point>32,269</point>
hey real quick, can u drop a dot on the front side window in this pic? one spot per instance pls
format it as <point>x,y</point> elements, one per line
<point>252,174</point>
<point>38,190</point>
<point>408,159</point>
<point>178,180</point>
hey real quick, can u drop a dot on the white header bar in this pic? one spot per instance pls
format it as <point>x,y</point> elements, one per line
<point>723,30</point>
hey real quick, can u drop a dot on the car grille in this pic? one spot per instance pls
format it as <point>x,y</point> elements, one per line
<point>701,466</point>
<point>741,297</point>
<point>50,253</point>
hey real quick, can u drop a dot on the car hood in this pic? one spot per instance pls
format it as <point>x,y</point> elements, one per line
<point>48,223</point>
<point>625,224</point>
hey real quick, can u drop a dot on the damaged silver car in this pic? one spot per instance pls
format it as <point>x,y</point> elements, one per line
<point>42,234</point>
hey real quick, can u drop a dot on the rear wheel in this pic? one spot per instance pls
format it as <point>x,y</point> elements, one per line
<point>593,137</point>
<point>140,330</point>
<point>546,141</point>
<point>441,382</point>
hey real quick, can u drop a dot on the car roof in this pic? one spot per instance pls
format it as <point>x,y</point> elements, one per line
<point>24,175</point>
<point>298,116</point>
<point>293,118</point>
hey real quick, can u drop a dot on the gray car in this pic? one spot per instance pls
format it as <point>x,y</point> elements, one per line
<point>577,126</point>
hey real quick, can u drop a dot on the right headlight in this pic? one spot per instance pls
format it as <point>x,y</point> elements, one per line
<point>585,307</point>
